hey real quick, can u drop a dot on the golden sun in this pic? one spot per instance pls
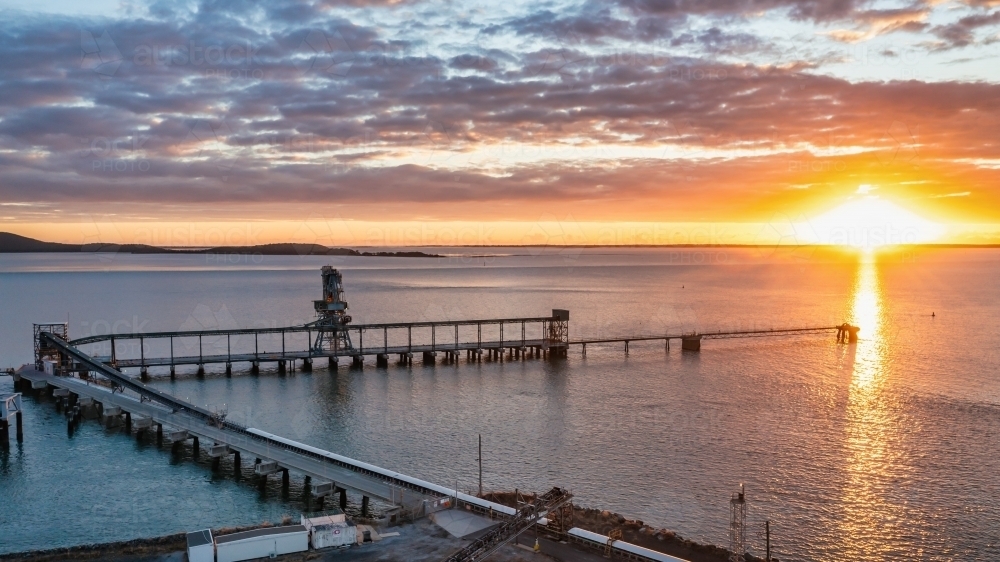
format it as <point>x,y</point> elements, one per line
<point>868,222</point>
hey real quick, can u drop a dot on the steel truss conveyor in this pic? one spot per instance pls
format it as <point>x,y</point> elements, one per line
<point>500,535</point>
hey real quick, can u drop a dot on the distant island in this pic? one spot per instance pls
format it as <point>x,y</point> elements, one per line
<point>13,243</point>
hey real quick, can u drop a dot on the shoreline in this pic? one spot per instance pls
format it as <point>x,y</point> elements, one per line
<point>601,521</point>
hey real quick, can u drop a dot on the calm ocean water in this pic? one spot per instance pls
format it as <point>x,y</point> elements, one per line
<point>887,450</point>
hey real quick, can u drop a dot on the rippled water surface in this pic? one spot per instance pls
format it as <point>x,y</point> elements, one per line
<point>884,450</point>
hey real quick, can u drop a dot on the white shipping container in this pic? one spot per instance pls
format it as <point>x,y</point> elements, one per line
<point>333,534</point>
<point>200,546</point>
<point>262,543</point>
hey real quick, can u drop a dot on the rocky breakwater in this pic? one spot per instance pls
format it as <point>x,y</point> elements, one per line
<point>635,531</point>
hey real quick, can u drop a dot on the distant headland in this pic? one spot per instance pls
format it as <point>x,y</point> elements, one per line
<point>13,243</point>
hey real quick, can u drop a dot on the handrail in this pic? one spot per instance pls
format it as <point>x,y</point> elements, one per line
<point>309,327</point>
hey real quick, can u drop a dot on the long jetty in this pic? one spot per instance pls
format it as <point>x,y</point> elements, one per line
<point>333,337</point>
<point>286,357</point>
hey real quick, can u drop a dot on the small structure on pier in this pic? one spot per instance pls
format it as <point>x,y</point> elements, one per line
<point>42,348</point>
<point>847,333</point>
<point>738,526</point>
<point>10,414</point>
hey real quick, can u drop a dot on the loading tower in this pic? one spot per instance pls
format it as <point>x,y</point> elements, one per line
<point>332,318</point>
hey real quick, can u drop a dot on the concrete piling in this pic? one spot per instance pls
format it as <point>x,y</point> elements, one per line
<point>343,498</point>
<point>255,367</point>
<point>237,464</point>
<point>4,433</point>
<point>364,506</point>
<point>229,369</point>
<point>281,367</point>
<point>19,427</point>
<point>307,364</point>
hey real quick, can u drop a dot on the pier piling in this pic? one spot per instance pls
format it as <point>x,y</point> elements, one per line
<point>691,343</point>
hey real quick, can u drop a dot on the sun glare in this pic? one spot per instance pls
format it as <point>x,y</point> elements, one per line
<point>868,222</point>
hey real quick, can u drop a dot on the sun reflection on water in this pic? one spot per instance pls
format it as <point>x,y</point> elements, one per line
<point>866,313</point>
<point>869,428</point>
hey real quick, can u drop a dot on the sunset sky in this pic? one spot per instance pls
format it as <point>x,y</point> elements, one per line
<point>357,122</point>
